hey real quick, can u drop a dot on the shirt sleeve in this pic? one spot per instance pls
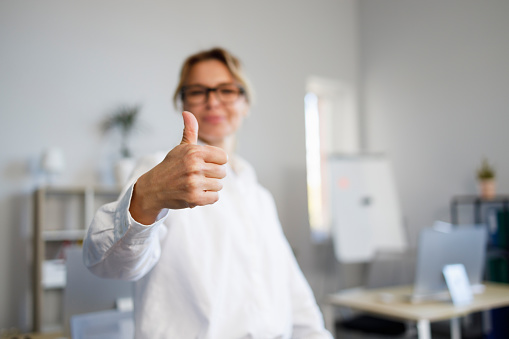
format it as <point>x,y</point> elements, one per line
<point>306,315</point>
<point>307,318</point>
<point>118,247</point>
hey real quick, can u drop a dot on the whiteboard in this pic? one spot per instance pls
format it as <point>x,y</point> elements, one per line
<point>366,215</point>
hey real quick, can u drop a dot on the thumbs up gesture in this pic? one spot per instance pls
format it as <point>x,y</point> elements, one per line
<point>190,135</point>
<point>188,176</point>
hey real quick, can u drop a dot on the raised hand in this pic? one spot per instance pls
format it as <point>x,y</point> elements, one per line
<point>188,176</point>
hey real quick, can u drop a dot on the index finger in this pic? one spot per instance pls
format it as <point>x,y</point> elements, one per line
<point>215,155</point>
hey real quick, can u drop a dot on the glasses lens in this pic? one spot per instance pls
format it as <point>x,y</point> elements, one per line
<point>228,93</point>
<point>195,94</point>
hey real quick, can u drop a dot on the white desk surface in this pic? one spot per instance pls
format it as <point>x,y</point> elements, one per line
<point>495,295</point>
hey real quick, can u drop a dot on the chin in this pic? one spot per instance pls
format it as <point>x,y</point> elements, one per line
<point>212,140</point>
<point>215,139</point>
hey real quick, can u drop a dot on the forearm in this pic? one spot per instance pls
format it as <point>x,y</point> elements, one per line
<point>116,246</point>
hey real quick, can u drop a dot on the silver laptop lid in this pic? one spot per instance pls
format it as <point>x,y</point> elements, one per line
<point>457,245</point>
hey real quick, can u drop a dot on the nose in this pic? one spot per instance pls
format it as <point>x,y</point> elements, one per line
<point>212,97</point>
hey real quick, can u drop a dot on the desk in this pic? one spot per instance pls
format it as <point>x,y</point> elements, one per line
<point>34,336</point>
<point>370,301</point>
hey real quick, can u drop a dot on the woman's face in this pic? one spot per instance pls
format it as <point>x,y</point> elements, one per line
<point>216,120</point>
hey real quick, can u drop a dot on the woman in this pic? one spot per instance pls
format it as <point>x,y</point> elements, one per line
<point>197,232</point>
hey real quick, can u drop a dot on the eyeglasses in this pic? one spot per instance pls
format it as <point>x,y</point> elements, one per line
<point>198,94</point>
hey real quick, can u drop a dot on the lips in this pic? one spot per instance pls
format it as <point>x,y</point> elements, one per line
<point>213,119</point>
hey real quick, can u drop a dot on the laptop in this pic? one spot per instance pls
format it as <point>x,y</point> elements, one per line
<point>441,246</point>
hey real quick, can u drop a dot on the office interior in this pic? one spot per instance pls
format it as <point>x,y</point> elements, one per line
<point>430,78</point>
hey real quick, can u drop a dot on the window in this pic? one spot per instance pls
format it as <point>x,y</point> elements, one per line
<point>332,127</point>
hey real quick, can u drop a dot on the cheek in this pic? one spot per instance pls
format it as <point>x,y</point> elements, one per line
<point>237,115</point>
<point>195,110</point>
<point>242,109</point>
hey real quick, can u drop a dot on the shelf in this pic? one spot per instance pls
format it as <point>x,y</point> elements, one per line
<point>61,218</point>
<point>62,235</point>
<point>73,190</point>
<point>477,202</point>
<point>472,199</point>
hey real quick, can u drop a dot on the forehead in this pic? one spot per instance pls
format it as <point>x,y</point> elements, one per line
<point>209,73</point>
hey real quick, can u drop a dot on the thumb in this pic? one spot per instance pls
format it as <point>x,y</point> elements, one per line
<point>190,135</point>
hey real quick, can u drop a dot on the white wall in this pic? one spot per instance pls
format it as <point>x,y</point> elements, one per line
<point>435,86</point>
<point>64,65</point>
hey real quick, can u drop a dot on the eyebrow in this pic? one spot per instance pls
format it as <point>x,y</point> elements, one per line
<point>221,84</point>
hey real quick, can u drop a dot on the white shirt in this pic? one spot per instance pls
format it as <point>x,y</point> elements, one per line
<point>222,271</point>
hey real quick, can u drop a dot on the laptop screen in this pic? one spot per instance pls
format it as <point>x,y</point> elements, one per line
<point>437,248</point>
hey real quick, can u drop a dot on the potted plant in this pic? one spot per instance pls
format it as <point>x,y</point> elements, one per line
<point>486,179</point>
<point>124,119</point>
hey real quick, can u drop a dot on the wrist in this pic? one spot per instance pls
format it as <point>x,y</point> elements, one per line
<point>142,207</point>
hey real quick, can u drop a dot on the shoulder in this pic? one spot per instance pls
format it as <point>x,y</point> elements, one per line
<point>247,173</point>
<point>243,168</point>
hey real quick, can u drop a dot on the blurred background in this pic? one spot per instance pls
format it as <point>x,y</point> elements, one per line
<point>430,81</point>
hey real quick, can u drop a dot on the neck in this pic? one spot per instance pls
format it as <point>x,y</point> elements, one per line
<point>228,144</point>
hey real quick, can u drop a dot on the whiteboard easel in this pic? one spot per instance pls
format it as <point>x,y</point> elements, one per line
<point>366,215</point>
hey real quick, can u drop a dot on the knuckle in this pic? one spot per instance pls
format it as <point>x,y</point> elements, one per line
<point>194,198</point>
<point>215,198</point>
<point>222,171</point>
<point>194,151</point>
<point>217,171</point>
<point>192,165</point>
<point>210,198</point>
<point>192,184</point>
<point>203,198</point>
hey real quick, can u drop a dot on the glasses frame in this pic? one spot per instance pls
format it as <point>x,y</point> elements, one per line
<point>207,90</point>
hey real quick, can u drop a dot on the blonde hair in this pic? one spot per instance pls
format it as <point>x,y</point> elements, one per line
<point>229,60</point>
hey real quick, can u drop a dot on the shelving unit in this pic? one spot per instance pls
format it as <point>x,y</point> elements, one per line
<point>494,213</point>
<point>61,218</point>
<point>478,204</point>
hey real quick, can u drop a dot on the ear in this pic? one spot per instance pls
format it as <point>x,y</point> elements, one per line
<point>246,110</point>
